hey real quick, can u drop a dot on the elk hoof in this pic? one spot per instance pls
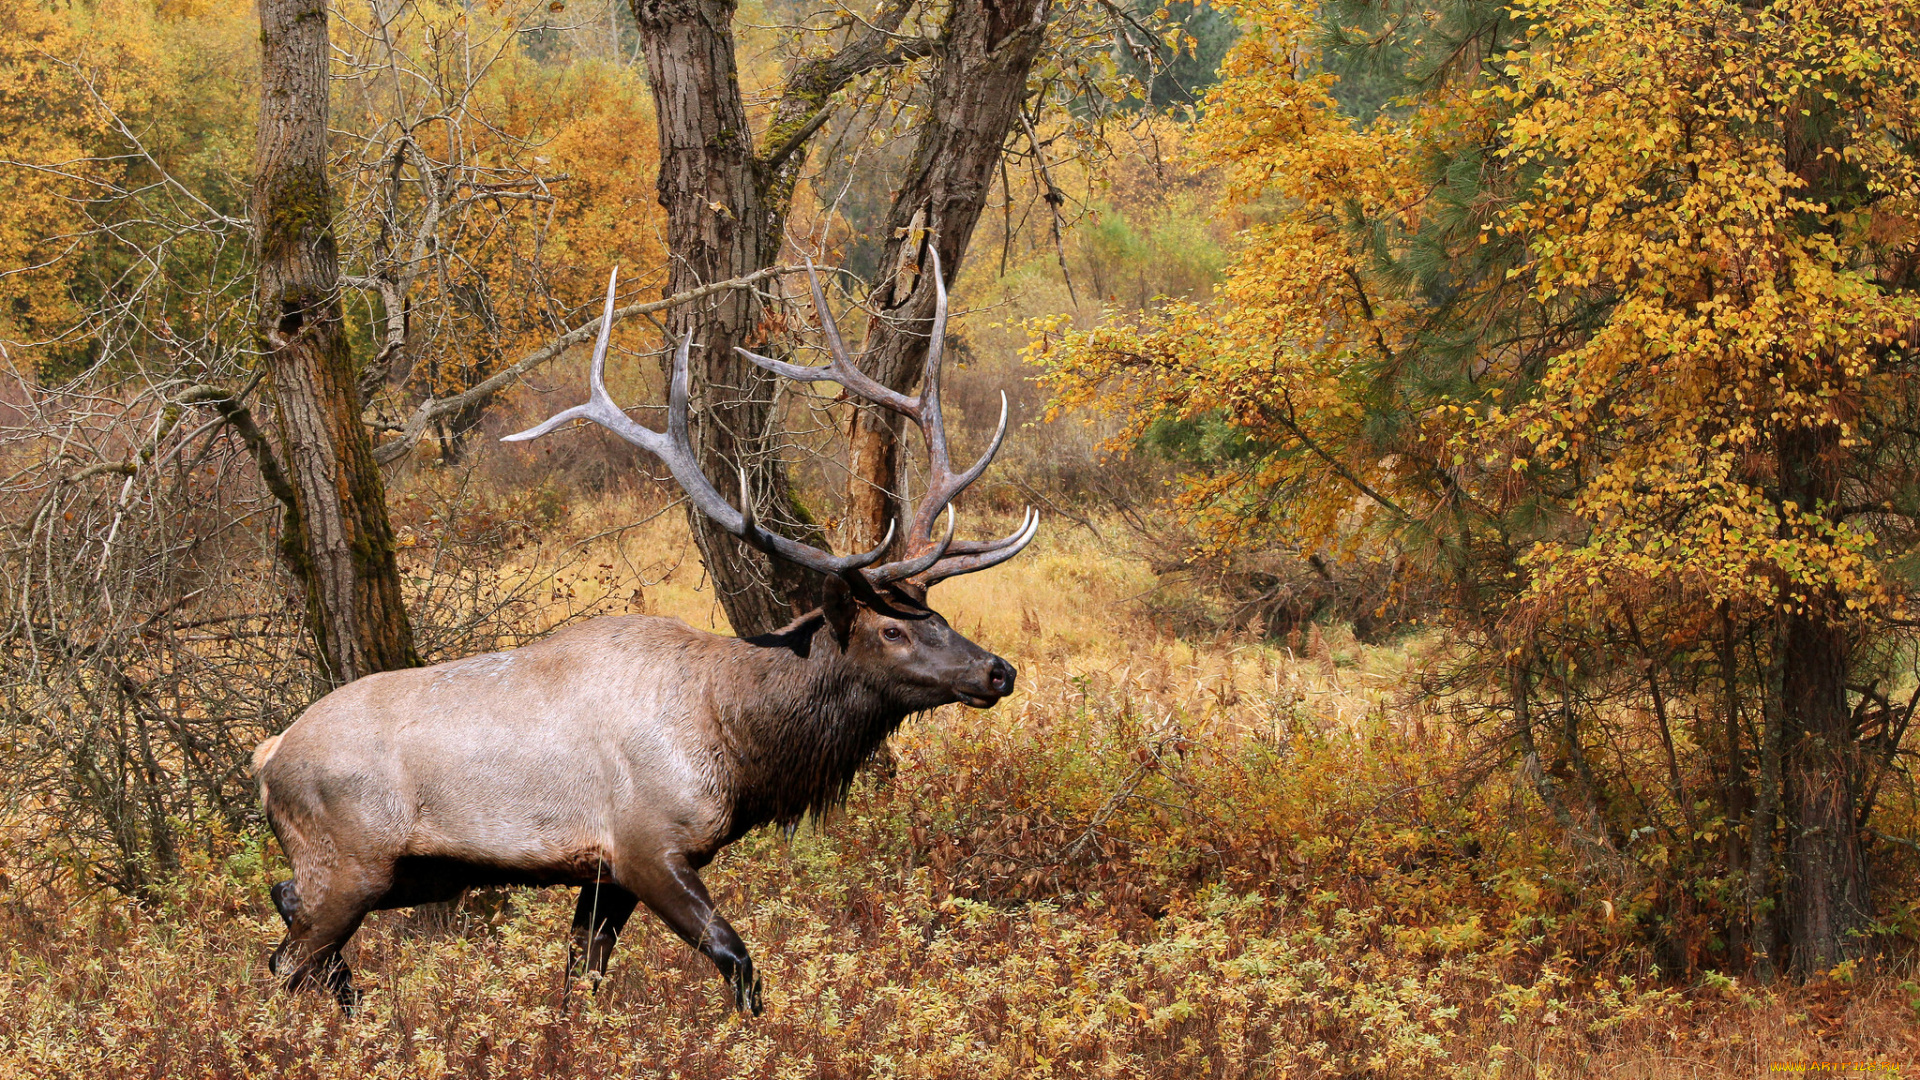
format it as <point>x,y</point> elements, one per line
<point>746,990</point>
<point>286,901</point>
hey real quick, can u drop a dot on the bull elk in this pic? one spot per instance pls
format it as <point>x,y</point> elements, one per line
<point>621,754</point>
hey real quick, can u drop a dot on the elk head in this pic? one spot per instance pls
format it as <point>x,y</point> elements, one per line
<point>877,612</point>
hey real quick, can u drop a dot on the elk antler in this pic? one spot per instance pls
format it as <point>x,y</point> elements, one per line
<point>676,452</point>
<point>928,561</point>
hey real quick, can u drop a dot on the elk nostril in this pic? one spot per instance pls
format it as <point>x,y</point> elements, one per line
<point>1000,676</point>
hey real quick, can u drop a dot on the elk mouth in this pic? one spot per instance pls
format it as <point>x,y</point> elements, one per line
<point>997,684</point>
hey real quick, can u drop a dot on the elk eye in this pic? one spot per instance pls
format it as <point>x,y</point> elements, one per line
<point>891,633</point>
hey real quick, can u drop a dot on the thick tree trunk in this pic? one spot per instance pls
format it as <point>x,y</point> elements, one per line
<point>987,51</point>
<point>726,217</point>
<point>1829,900</point>
<point>726,214</point>
<point>1831,906</point>
<point>719,226</point>
<point>1828,895</point>
<point>338,539</point>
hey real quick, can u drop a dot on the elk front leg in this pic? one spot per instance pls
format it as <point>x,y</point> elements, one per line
<point>597,921</point>
<point>674,892</point>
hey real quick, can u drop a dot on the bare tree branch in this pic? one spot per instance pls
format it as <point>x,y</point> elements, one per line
<point>434,408</point>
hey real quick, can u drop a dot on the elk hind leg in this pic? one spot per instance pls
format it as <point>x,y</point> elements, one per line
<point>324,915</point>
<point>673,891</point>
<point>598,918</point>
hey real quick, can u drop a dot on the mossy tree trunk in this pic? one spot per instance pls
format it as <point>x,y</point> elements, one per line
<point>727,202</point>
<point>986,53</point>
<point>337,538</point>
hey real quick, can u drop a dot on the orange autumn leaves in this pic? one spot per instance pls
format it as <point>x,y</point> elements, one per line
<point>502,272</point>
<point>1685,156</point>
<point>1573,300</point>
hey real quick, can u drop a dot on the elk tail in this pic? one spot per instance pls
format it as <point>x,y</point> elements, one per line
<point>264,753</point>
<point>261,755</point>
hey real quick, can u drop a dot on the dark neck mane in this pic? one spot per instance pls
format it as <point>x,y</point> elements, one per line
<point>801,726</point>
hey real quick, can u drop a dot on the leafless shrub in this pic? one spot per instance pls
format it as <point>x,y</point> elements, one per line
<point>144,651</point>
<point>446,213</point>
<point>149,638</point>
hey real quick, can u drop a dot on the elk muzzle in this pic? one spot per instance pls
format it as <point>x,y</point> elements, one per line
<point>996,680</point>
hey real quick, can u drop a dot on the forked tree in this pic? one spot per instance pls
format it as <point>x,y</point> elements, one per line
<point>728,197</point>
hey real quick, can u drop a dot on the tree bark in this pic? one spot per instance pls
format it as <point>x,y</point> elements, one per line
<point>726,215</point>
<point>1762,888</point>
<point>337,538</point>
<point>1829,894</point>
<point>1736,793</point>
<point>1831,903</point>
<point>986,53</point>
<point>719,226</point>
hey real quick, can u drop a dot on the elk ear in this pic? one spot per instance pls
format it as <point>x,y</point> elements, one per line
<point>841,607</point>
<point>911,591</point>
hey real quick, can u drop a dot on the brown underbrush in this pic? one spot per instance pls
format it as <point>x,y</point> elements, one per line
<point>1161,858</point>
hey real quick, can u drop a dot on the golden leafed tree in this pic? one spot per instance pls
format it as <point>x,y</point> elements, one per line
<point>1604,315</point>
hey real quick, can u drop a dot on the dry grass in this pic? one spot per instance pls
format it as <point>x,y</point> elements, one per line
<point>1162,858</point>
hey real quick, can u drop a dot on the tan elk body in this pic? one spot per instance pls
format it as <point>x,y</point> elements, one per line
<point>622,754</point>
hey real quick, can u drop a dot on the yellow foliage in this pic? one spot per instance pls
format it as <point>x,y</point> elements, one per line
<point>1685,156</point>
<point>47,121</point>
<point>1157,861</point>
<point>107,110</point>
<point>1706,214</point>
<point>544,174</point>
<point>1609,328</point>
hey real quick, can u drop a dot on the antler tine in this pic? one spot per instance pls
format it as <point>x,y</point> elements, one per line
<point>919,561</point>
<point>840,367</point>
<point>928,561</point>
<point>932,421</point>
<point>747,523</point>
<point>943,486</point>
<point>992,554</point>
<point>597,370</point>
<point>988,547</point>
<point>599,406</point>
<point>774,544</point>
<point>675,451</point>
<point>906,568</point>
<point>742,523</point>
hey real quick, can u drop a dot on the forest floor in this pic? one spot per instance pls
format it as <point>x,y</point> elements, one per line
<point>1161,857</point>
